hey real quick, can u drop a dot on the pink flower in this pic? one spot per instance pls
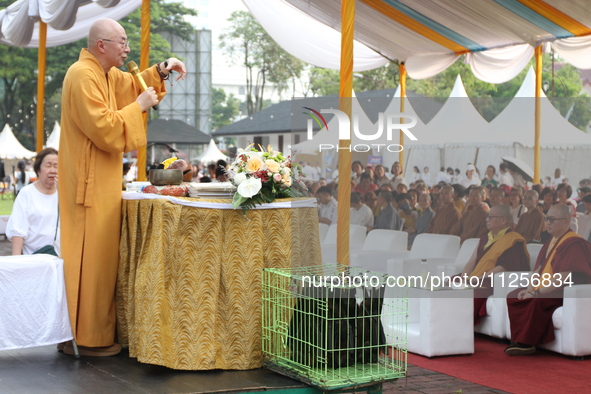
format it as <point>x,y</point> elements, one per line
<point>277,177</point>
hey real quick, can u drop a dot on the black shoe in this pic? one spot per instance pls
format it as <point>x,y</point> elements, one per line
<point>520,349</point>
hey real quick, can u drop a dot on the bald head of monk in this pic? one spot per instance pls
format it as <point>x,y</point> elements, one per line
<point>107,41</point>
<point>558,220</point>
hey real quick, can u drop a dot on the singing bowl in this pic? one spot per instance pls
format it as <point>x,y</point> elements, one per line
<point>166,177</point>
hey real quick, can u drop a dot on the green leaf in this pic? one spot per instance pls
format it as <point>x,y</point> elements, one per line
<point>237,200</point>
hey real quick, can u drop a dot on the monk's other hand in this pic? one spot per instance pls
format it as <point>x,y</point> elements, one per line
<point>524,294</point>
<point>147,99</point>
<point>175,64</point>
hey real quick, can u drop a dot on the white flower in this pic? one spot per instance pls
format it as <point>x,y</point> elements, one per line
<point>239,178</point>
<point>249,187</point>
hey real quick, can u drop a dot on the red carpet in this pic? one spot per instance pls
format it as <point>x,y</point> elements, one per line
<point>542,372</point>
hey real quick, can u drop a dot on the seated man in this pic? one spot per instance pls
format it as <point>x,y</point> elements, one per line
<point>447,214</point>
<point>531,223</point>
<point>406,212</point>
<point>499,250</point>
<point>327,206</point>
<point>360,214</point>
<point>387,219</point>
<point>426,214</point>
<point>565,257</point>
<point>473,223</point>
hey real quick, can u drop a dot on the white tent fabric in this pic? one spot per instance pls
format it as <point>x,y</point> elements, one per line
<point>67,20</point>
<point>511,133</point>
<point>319,38</point>
<point>456,121</point>
<point>53,141</point>
<point>10,148</point>
<point>497,48</point>
<point>211,154</point>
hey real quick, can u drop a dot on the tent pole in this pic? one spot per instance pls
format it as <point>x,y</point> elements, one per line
<point>345,101</point>
<point>402,72</point>
<point>41,63</point>
<point>538,56</point>
<point>144,63</point>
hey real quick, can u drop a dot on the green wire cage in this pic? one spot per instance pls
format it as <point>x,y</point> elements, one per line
<point>334,326</point>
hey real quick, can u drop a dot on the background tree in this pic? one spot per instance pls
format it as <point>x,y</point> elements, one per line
<point>18,79</point>
<point>249,45</point>
<point>224,108</point>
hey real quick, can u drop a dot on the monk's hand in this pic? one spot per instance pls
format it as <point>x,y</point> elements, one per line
<point>524,294</point>
<point>147,99</point>
<point>175,64</point>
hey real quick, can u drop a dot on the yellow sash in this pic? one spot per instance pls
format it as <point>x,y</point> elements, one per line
<point>548,267</point>
<point>489,260</point>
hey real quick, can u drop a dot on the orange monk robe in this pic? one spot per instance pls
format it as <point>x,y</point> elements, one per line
<point>100,120</point>
<point>444,220</point>
<point>472,225</point>
<point>531,224</point>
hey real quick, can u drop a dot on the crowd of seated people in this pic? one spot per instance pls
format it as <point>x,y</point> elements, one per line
<point>448,206</point>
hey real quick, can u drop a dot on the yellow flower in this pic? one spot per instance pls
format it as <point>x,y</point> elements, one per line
<point>272,165</point>
<point>287,181</point>
<point>254,164</point>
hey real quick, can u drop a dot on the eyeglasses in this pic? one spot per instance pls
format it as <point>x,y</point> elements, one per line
<point>124,44</point>
<point>490,217</point>
<point>552,219</point>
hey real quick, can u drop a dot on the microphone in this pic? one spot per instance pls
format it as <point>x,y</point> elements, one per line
<point>135,71</point>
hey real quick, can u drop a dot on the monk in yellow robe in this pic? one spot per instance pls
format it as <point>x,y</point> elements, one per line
<point>101,118</point>
<point>531,223</point>
<point>499,250</point>
<point>447,215</point>
<point>473,223</point>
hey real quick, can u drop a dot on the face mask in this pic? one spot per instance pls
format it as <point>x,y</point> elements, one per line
<point>405,207</point>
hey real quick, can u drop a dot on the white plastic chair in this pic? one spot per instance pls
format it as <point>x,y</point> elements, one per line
<point>534,251</point>
<point>466,251</point>
<point>427,253</point>
<point>379,246</point>
<point>357,236</point>
<point>584,226</point>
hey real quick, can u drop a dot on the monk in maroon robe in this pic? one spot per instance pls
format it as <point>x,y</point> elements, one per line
<point>499,250</point>
<point>565,257</point>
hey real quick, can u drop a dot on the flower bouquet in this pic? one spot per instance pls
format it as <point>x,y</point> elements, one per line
<point>262,177</point>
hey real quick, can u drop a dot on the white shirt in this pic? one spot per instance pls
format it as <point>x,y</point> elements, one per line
<point>34,217</point>
<point>328,211</point>
<point>557,181</point>
<point>467,182</point>
<point>362,216</point>
<point>427,178</point>
<point>506,179</point>
<point>442,177</point>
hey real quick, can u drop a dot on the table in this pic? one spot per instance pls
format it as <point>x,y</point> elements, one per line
<point>34,309</point>
<point>189,280</point>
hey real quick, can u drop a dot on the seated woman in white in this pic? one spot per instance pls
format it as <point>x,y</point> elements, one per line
<point>32,224</point>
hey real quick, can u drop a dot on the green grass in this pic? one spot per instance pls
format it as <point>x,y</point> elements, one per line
<point>6,202</point>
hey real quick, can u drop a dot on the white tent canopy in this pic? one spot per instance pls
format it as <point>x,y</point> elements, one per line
<point>211,154</point>
<point>67,21</point>
<point>11,148</point>
<point>430,35</point>
<point>53,141</point>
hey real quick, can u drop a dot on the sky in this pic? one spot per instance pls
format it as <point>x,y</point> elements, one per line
<point>214,16</point>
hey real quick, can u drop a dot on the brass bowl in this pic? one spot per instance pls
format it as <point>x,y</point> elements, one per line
<point>166,177</point>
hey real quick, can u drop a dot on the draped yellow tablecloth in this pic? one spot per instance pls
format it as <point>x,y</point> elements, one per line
<point>189,281</point>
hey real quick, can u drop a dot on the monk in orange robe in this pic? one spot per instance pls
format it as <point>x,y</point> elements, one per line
<point>499,250</point>
<point>447,214</point>
<point>473,223</point>
<point>101,118</point>
<point>565,257</point>
<point>531,223</point>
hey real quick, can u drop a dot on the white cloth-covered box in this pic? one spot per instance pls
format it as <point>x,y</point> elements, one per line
<point>33,307</point>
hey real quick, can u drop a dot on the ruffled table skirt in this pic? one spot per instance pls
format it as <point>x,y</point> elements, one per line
<point>189,281</point>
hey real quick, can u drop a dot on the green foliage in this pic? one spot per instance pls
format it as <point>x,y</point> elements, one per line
<point>248,44</point>
<point>18,80</point>
<point>223,108</point>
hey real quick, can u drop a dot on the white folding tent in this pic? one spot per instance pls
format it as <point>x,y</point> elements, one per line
<point>563,145</point>
<point>457,121</point>
<point>11,148</point>
<point>211,154</point>
<point>53,141</point>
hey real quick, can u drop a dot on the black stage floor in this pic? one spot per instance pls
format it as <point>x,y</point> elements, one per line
<point>45,370</point>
